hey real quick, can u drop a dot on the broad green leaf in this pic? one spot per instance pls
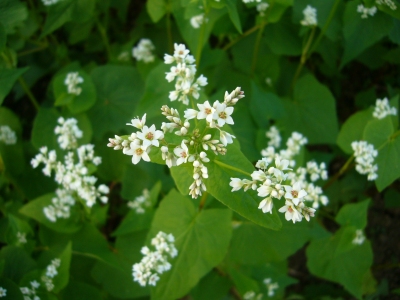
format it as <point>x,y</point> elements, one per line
<point>61,279</point>
<point>388,161</point>
<point>3,37</point>
<point>202,239</point>
<point>118,89</point>
<point>80,291</point>
<point>263,245</point>
<point>359,33</point>
<point>220,171</point>
<point>312,112</point>
<point>13,290</point>
<point>353,130</point>
<point>34,210</point>
<point>328,258</point>
<point>276,11</point>
<point>7,80</point>
<point>76,103</point>
<point>156,9</point>
<point>354,214</point>
<point>233,14</point>
<point>12,14</point>
<point>378,131</point>
<point>16,262</point>
<point>211,286</point>
<point>242,282</point>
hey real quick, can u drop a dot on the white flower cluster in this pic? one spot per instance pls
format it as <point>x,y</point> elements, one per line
<point>184,75</point>
<point>71,81</point>
<point>141,202</point>
<point>51,272</point>
<point>365,11</point>
<point>359,238</point>
<point>30,293</point>
<point>251,295</point>
<point>50,2</point>
<point>365,155</point>
<point>250,1</point>
<point>73,177</point>
<point>262,7</point>
<point>3,292</point>
<point>21,238</point>
<point>271,286</point>
<point>155,262</point>
<point>382,109</point>
<point>143,51</point>
<point>197,21</point>
<point>190,148</point>
<point>389,3</point>
<point>7,135</point>
<point>310,16</point>
<point>293,144</point>
<point>68,133</point>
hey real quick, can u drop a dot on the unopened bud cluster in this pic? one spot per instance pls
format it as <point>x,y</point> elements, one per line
<point>71,81</point>
<point>140,203</point>
<point>7,135</point>
<point>382,109</point>
<point>72,175</point>
<point>143,51</point>
<point>184,75</point>
<point>51,272</point>
<point>155,262</point>
<point>365,154</point>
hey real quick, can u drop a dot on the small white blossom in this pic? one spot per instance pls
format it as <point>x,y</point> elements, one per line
<point>271,286</point>
<point>138,123</point>
<point>383,109</point>
<point>274,137</point>
<point>51,272</point>
<point>295,193</point>
<point>68,133</point>
<point>291,213</point>
<point>182,152</point>
<point>143,51</point>
<point>197,21</point>
<point>150,136</point>
<point>365,154</point>
<point>71,81</point>
<point>359,237</point>
<point>50,2</point>
<point>389,3</point>
<point>21,237</point>
<point>250,1</point>
<point>365,11</point>
<point>140,203</point>
<point>138,152</point>
<point>30,293</point>
<point>251,295</point>
<point>310,16</point>
<point>3,292</point>
<point>261,8</point>
<point>7,135</point>
<point>222,114</point>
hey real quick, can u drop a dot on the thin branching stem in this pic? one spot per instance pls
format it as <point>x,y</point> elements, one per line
<point>28,92</point>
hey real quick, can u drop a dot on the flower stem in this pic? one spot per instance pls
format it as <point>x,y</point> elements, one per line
<point>256,47</point>
<point>203,200</point>
<point>104,37</point>
<point>226,166</point>
<point>28,92</point>
<point>342,170</point>
<point>248,32</point>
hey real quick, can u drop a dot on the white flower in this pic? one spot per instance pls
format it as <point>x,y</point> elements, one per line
<point>197,21</point>
<point>143,51</point>
<point>140,203</point>
<point>271,286</point>
<point>274,137</point>
<point>365,154</point>
<point>222,114</point>
<point>68,133</point>
<point>3,292</point>
<point>266,205</point>
<point>310,16</point>
<point>262,7</point>
<point>389,3</point>
<point>71,81</point>
<point>206,112</point>
<point>150,136</point>
<point>291,213</point>
<point>21,237</point>
<point>295,193</point>
<point>359,238</point>
<point>383,109</point>
<point>236,184</point>
<point>180,51</point>
<point>7,135</point>
<point>365,11</point>
<point>190,114</point>
<point>50,2</point>
<point>138,152</point>
<point>182,153</point>
<point>225,137</point>
<point>138,123</point>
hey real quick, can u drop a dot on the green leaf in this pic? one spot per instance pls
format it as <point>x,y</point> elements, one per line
<point>354,214</point>
<point>3,37</point>
<point>202,239</point>
<point>359,33</point>
<point>220,171</point>
<point>7,80</point>
<point>34,210</point>
<point>13,291</point>
<point>80,291</point>
<point>156,9</point>
<point>312,112</point>
<point>337,259</point>
<point>12,14</point>
<point>353,129</point>
<point>211,286</point>
<point>378,131</point>
<point>61,279</point>
<point>117,88</point>
<point>263,245</point>
<point>233,14</point>
<point>388,161</point>
<point>16,262</point>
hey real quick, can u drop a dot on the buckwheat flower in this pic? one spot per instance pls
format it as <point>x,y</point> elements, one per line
<point>266,205</point>
<point>250,1</point>
<point>359,238</point>
<point>71,81</point>
<point>138,152</point>
<point>206,112</point>
<point>388,3</point>
<point>365,11</point>
<point>182,152</point>
<point>50,2</point>
<point>138,123</point>
<point>143,51</point>
<point>251,295</point>
<point>150,136</point>
<point>202,80</point>
<point>7,135</point>
<point>197,21</point>
<point>383,109</point>
<point>310,16</point>
<point>316,171</point>
<point>21,237</point>
<point>3,292</point>
<point>190,114</point>
<point>291,213</point>
<point>271,286</point>
<point>68,133</point>
<point>261,8</point>
<point>30,293</point>
<point>295,193</point>
<point>274,137</point>
<point>140,203</point>
<point>225,137</point>
<point>365,154</point>
<point>236,184</point>
<point>222,114</point>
